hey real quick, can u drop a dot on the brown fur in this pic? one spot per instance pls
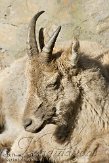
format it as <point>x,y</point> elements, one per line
<point>79,94</point>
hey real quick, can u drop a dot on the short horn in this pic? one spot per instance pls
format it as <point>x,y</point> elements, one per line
<point>48,48</point>
<point>32,47</point>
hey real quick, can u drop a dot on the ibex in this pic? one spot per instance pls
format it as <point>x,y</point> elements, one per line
<point>62,102</point>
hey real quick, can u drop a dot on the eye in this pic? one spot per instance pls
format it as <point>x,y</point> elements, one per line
<point>51,86</point>
<point>54,83</point>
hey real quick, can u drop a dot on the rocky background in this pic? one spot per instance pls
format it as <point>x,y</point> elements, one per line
<point>86,19</point>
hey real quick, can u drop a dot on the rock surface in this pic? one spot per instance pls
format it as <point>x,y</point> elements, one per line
<point>86,19</point>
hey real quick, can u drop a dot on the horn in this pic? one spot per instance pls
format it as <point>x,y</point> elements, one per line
<point>32,47</point>
<point>75,49</point>
<point>48,48</point>
<point>41,38</point>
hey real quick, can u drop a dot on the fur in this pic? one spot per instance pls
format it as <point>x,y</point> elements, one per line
<point>78,94</point>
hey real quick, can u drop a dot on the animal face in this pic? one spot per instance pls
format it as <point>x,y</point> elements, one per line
<point>51,92</point>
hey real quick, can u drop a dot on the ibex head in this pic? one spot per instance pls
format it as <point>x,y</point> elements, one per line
<point>50,89</point>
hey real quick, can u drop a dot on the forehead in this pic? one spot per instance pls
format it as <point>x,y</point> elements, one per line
<point>37,69</point>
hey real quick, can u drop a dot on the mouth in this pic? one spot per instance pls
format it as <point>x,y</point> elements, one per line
<point>39,128</point>
<point>35,128</point>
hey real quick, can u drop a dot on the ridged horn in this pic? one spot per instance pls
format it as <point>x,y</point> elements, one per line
<point>41,38</point>
<point>48,48</point>
<point>32,47</point>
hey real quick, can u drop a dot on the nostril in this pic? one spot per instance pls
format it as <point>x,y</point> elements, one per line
<point>27,122</point>
<point>54,109</point>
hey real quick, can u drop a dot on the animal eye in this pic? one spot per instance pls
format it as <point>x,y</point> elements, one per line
<point>54,84</point>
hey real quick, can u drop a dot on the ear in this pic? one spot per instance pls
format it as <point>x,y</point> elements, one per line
<point>75,51</point>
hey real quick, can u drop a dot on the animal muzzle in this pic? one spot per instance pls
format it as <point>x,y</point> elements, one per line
<point>33,126</point>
